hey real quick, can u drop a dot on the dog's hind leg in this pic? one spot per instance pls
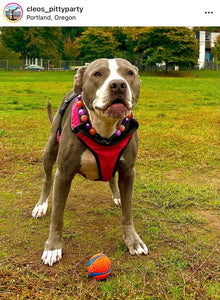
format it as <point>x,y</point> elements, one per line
<point>49,158</point>
<point>115,191</point>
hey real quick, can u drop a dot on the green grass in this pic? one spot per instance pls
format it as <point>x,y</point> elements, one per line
<point>176,197</point>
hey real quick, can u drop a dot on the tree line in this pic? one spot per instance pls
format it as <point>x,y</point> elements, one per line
<point>150,45</point>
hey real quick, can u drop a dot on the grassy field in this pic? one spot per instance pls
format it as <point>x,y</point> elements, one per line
<point>176,199</point>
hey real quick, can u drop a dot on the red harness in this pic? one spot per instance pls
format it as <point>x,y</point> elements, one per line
<point>107,152</point>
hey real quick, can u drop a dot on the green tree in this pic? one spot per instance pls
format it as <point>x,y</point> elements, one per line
<point>70,49</point>
<point>133,34</point>
<point>70,46</point>
<point>41,42</point>
<point>6,53</point>
<point>14,38</point>
<point>172,45</point>
<point>96,43</point>
<point>72,32</point>
<point>127,38</point>
<point>44,42</point>
<point>126,42</point>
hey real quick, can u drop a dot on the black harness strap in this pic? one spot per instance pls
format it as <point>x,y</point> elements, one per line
<point>62,111</point>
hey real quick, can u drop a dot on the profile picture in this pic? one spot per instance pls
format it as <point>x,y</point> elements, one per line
<point>13,12</point>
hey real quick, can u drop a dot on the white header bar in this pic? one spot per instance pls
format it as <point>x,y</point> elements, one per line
<point>109,13</point>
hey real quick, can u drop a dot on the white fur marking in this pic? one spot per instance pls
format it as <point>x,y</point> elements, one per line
<point>141,249</point>
<point>117,202</point>
<point>40,210</point>
<point>99,101</point>
<point>51,257</point>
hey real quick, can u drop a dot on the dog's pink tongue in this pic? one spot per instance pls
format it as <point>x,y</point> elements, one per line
<point>116,110</point>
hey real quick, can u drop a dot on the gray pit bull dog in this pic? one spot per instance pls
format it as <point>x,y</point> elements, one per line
<point>106,91</point>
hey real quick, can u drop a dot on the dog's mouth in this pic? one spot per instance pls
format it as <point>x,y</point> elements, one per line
<point>118,108</point>
<point>117,104</point>
<point>118,101</point>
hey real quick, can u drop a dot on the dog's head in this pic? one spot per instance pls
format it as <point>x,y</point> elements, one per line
<point>110,87</point>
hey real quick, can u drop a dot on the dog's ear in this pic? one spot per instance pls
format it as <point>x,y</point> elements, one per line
<point>78,80</point>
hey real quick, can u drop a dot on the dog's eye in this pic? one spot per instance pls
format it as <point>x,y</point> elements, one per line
<point>97,74</point>
<point>131,73</point>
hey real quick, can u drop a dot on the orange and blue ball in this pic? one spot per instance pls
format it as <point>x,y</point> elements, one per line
<point>99,266</point>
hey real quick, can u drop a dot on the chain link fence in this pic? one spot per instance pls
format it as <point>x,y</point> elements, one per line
<point>71,65</point>
<point>210,65</point>
<point>7,65</point>
<point>47,65</point>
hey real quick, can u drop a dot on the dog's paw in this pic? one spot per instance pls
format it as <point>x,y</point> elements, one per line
<point>138,248</point>
<point>40,210</point>
<point>134,243</point>
<point>50,257</point>
<point>117,202</point>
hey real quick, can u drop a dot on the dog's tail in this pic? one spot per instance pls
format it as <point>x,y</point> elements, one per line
<point>49,112</point>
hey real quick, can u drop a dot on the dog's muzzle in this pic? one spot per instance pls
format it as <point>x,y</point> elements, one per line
<point>118,105</point>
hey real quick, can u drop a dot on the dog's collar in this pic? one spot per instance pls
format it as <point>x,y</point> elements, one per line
<point>127,126</point>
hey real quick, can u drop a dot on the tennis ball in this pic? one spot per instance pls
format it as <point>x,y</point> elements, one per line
<point>99,266</point>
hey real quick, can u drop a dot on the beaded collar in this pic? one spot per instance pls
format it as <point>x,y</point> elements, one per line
<point>127,126</point>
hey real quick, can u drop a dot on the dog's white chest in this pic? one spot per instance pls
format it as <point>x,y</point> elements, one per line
<point>89,165</point>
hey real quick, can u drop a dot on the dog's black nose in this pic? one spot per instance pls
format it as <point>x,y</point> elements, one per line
<point>118,85</point>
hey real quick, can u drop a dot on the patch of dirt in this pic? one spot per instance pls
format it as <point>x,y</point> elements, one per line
<point>212,219</point>
<point>210,178</point>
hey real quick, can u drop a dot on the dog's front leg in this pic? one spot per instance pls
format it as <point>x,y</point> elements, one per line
<point>132,240</point>
<point>53,246</point>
